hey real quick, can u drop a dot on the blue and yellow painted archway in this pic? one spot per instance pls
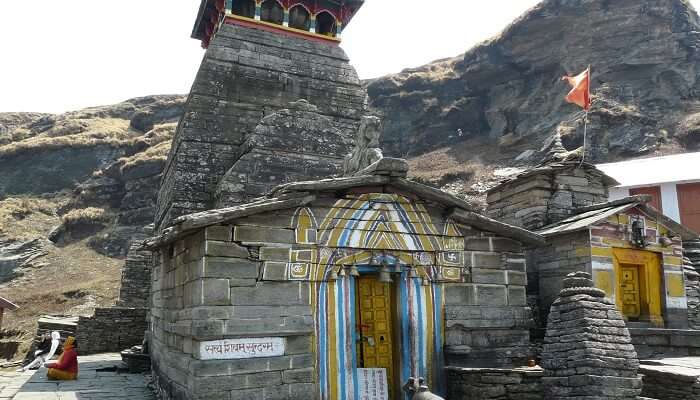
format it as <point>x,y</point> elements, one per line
<point>364,231</point>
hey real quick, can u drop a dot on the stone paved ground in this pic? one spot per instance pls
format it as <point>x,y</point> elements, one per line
<point>92,383</point>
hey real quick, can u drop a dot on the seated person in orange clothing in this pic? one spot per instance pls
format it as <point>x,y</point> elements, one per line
<point>66,368</point>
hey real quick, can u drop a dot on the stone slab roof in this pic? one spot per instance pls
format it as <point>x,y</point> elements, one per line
<point>588,216</point>
<point>556,166</point>
<point>387,172</point>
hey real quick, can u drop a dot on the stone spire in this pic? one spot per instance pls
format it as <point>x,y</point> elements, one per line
<point>588,351</point>
<point>557,151</point>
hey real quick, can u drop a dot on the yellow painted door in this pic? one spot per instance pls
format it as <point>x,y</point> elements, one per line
<point>375,313</point>
<point>640,290</point>
<point>631,306</point>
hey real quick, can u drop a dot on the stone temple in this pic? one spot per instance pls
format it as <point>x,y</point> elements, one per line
<point>291,260</point>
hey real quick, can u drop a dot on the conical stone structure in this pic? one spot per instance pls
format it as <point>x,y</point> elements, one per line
<point>588,352</point>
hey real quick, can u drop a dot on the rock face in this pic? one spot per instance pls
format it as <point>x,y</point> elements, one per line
<point>645,83</point>
<point>16,255</point>
<point>588,351</point>
<point>34,147</point>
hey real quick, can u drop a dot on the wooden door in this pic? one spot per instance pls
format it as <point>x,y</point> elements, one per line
<point>630,287</point>
<point>653,191</point>
<point>376,320</point>
<point>640,290</point>
<point>689,205</point>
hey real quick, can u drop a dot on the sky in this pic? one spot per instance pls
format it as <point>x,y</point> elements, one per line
<point>61,55</point>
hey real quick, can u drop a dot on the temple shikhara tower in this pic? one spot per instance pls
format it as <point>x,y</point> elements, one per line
<point>262,57</point>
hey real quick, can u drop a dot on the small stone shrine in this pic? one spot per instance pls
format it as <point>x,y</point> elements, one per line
<point>588,351</point>
<point>633,251</point>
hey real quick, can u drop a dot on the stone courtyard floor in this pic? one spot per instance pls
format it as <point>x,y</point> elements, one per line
<point>98,379</point>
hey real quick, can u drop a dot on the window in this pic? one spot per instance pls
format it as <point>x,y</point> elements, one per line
<point>272,11</point>
<point>299,18</point>
<point>244,8</point>
<point>325,24</point>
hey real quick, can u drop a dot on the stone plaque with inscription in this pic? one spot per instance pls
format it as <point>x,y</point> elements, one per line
<point>232,349</point>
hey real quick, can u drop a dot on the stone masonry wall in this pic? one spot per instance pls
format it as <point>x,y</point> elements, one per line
<point>664,343</point>
<point>208,289</point>
<point>550,263</point>
<point>247,74</point>
<point>111,330</point>
<point>494,384</point>
<point>136,274</point>
<point>487,320</point>
<point>691,267</point>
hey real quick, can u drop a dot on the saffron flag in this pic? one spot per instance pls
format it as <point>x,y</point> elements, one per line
<point>580,93</point>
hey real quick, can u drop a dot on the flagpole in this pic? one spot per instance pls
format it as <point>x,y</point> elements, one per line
<point>585,129</point>
<point>585,118</point>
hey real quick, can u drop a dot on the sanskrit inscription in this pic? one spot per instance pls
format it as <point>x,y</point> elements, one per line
<point>232,349</point>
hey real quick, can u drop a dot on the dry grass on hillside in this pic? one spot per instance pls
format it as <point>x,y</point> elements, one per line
<point>88,215</point>
<point>158,152</point>
<point>70,280</point>
<point>26,218</point>
<point>83,133</point>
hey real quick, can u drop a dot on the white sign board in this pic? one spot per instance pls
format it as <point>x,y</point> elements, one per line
<point>373,384</point>
<point>241,348</point>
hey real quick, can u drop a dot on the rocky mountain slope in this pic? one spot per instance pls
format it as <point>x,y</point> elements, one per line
<point>507,93</point>
<point>74,188</point>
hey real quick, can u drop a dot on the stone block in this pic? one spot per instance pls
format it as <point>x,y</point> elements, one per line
<point>270,326</point>
<point>215,292</point>
<point>221,233</point>
<point>272,293</point>
<point>298,345</point>
<point>304,375</point>
<point>489,276</point>
<point>206,329</point>
<point>517,296</point>
<point>491,295</point>
<point>274,271</point>
<point>247,394</point>
<point>488,260</point>
<point>275,254</point>
<point>517,278</point>
<point>478,244</point>
<point>229,267</point>
<point>456,294</point>
<point>224,249</point>
<point>505,245</point>
<point>270,311</point>
<point>256,234</point>
<point>302,361</point>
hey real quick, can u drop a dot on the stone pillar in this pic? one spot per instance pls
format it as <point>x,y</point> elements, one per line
<point>588,351</point>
